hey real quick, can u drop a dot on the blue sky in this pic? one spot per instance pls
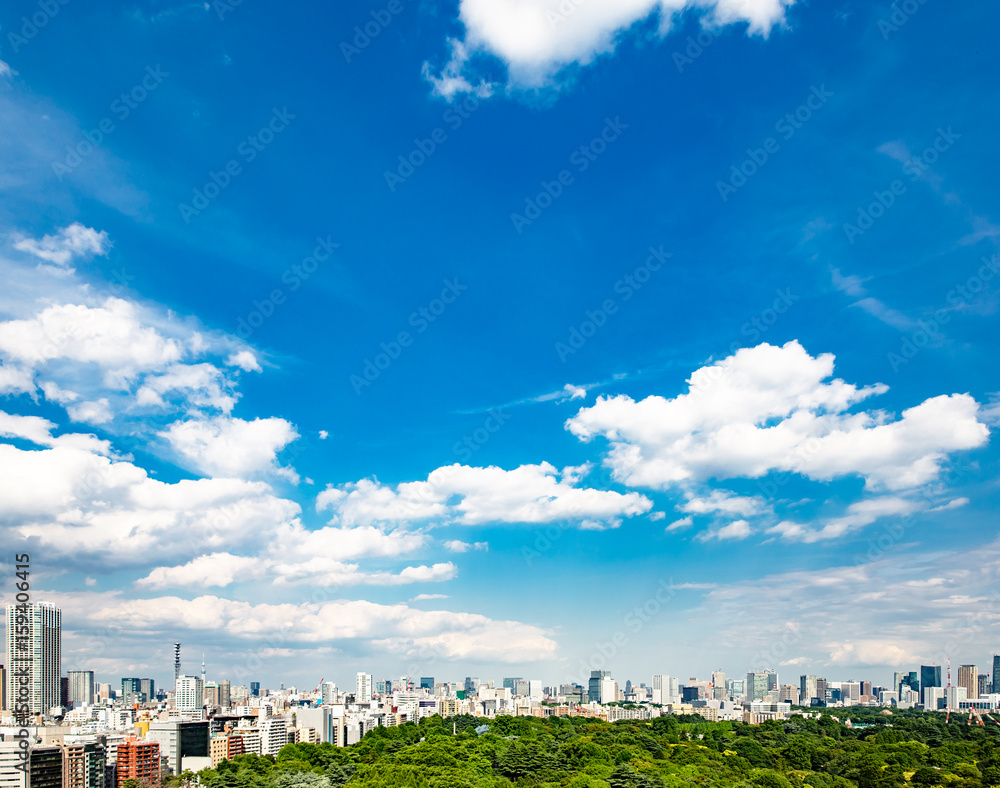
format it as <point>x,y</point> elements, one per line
<point>445,352</point>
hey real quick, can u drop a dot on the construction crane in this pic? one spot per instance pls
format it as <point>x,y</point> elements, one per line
<point>319,685</point>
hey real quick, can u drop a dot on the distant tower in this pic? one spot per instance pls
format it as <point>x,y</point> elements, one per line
<point>177,661</point>
<point>202,667</point>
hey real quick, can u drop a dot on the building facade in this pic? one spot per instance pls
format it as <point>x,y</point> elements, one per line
<point>34,644</point>
<point>81,687</point>
<point>138,760</point>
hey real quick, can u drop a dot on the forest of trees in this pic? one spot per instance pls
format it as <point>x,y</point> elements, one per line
<point>880,751</point>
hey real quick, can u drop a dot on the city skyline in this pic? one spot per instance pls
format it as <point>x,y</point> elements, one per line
<point>663,334</point>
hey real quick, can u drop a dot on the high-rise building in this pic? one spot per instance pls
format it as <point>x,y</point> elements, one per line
<point>34,644</point>
<point>211,694</point>
<point>609,690</point>
<point>3,688</point>
<point>255,689</point>
<point>719,685</point>
<point>789,694</point>
<point>471,685</point>
<point>64,692</point>
<point>179,739</point>
<point>930,676</point>
<point>985,684</point>
<point>81,687</point>
<point>225,693</point>
<point>363,688</point>
<point>996,672</point>
<point>189,694</point>
<point>968,677</point>
<point>83,765</point>
<point>131,691</point>
<point>759,684</point>
<point>147,688</point>
<point>822,690</point>
<point>11,775</point>
<point>427,683</point>
<point>102,693</point>
<point>594,685</point>
<point>511,681</point>
<point>138,760</point>
<point>329,690</point>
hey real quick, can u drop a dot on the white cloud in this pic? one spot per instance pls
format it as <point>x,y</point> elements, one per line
<point>722,502</point>
<point>679,525</point>
<point>426,597</point>
<point>473,496</point>
<point>323,435</point>
<point>769,409</point>
<point>458,546</point>
<point>202,386</point>
<point>223,569</point>
<point>16,380</point>
<point>226,446</point>
<point>399,630</point>
<point>957,503</point>
<point>5,70</point>
<point>98,412</point>
<point>538,38</point>
<point>70,242</point>
<point>244,359</point>
<point>737,530</point>
<point>858,516</point>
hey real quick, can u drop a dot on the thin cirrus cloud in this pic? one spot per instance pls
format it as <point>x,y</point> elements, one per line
<point>75,240</point>
<point>536,39</point>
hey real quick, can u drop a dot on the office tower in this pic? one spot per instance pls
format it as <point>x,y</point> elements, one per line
<point>535,689</point>
<point>758,685</point>
<point>914,680</point>
<point>608,690</point>
<point>329,690</point>
<point>178,739</point>
<point>968,677</point>
<point>510,682</point>
<point>189,694</point>
<point>83,765</point>
<point>211,694</point>
<point>521,688</point>
<point>471,685</point>
<point>661,689</point>
<point>64,692</point>
<point>719,685</point>
<point>930,676</point>
<point>255,689</point>
<point>3,688</point>
<point>147,689</point>
<point>772,680</point>
<point>363,688</point>
<point>789,694</point>
<point>427,683</point>
<point>821,690</point>
<point>34,644</point>
<point>985,685</point>
<point>996,672</point>
<point>866,688</point>
<point>932,698</point>
<point>81,687</point>
<point>594,685</point>
<point>102,693</point>
<point>850,691</point>
<point>138,760</point>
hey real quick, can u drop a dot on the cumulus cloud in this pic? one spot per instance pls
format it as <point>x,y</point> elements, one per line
<point>858,516</point>
<point>473,496</point>
<point>736,530</point>
<point>223,569</point>
<point>536,39</point>
<point>720,501</point>
<point>458,546</point>
<point>769,409</point>
<point>226,446</point>
<point>399,630</point>
<point>61,249</point>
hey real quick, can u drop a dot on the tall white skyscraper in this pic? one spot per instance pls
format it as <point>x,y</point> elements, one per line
<point>665,690</point>
<point>189,694</point>
<point>34,645</point>
<point>363,688</point>
<point>329,692</point>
